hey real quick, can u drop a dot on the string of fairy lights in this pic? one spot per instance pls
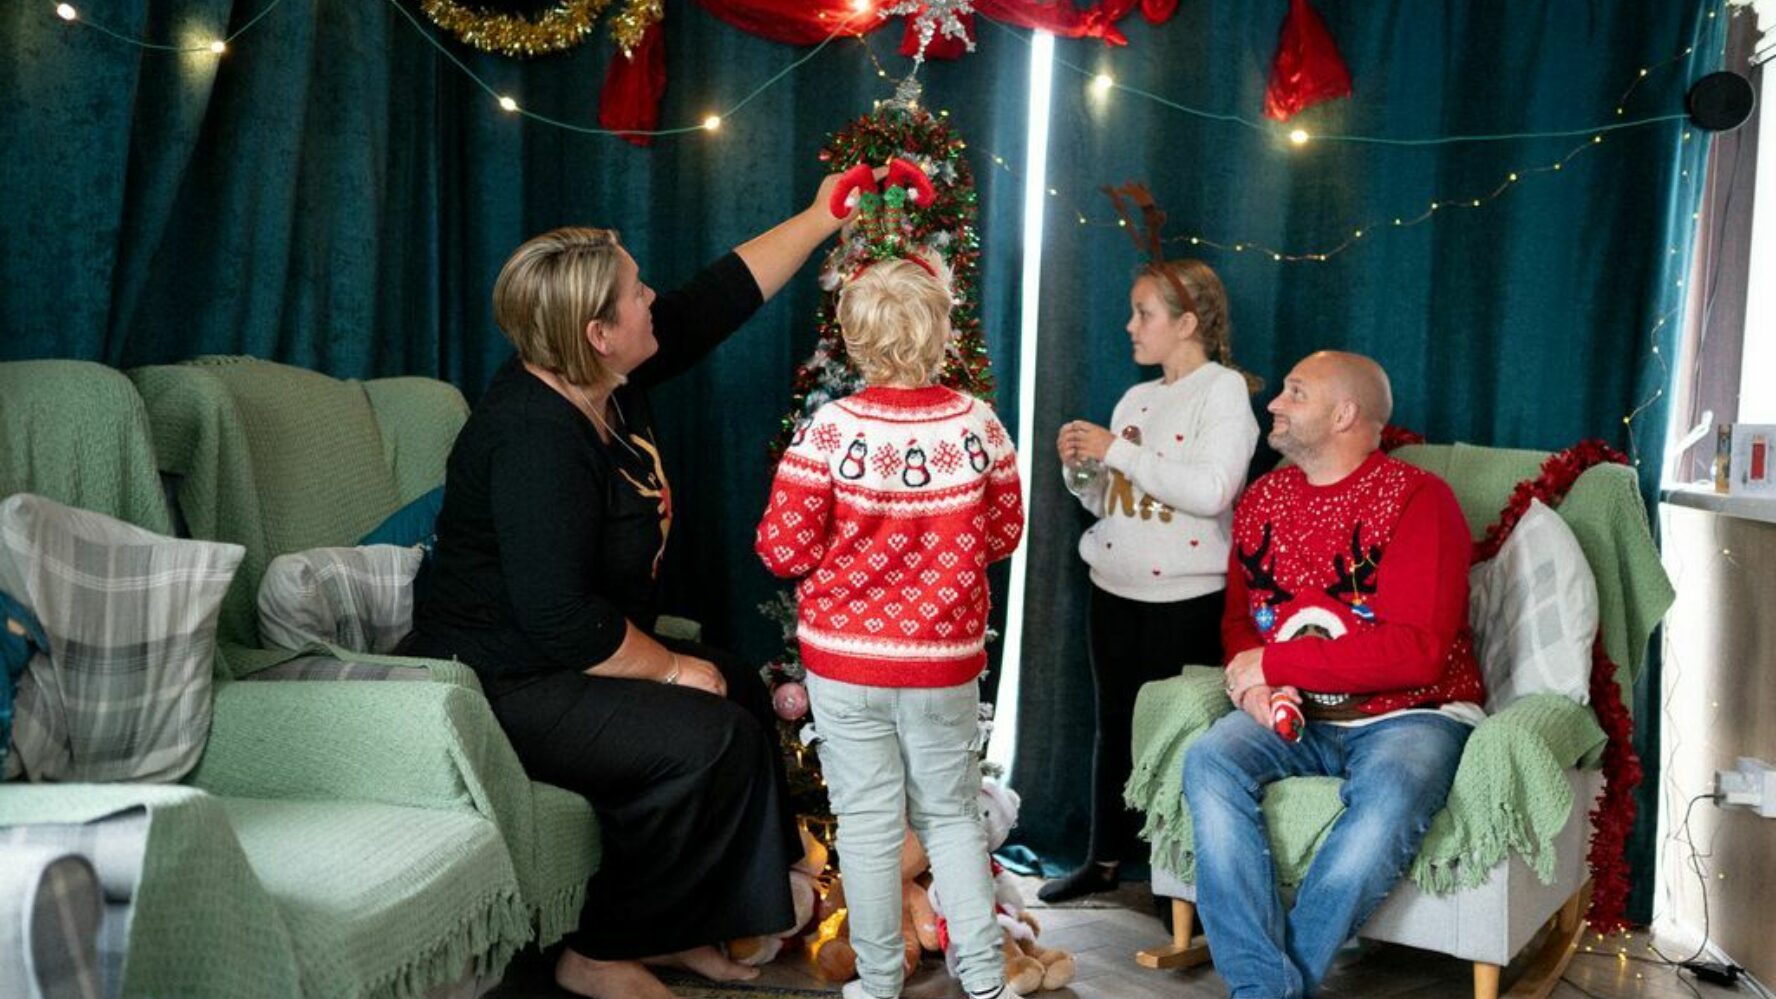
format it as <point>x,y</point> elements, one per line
<point>863,17</point>
<point>1100,84</point>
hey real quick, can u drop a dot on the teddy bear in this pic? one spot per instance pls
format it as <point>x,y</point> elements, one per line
<point>1029,967</point>
<point>833,954</point>
<point>804,890</point>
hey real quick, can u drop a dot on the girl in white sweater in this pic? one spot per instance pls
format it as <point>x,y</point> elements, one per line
<point>1162,485</point>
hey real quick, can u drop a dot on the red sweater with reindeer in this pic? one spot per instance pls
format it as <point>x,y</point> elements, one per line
<point>889,505</point>
<point>1357,590</point>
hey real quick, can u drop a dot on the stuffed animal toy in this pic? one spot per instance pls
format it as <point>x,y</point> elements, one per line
<point>1029,967</point>
<point>837,959</point>
<point>804,889</point>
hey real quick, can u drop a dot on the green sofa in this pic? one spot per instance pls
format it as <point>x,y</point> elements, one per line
<point>338,838</point>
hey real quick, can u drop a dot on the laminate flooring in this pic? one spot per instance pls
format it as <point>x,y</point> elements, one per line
<point>1103,932</point>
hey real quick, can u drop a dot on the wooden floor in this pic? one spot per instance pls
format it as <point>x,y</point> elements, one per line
<point>1104,933</point>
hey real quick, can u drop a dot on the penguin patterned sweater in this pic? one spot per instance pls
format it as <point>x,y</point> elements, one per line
<point>889,505</point>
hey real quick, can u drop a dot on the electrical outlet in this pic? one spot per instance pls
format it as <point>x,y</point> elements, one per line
<point>1750,784</point>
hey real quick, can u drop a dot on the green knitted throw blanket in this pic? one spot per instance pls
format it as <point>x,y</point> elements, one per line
<point>1510,792</point>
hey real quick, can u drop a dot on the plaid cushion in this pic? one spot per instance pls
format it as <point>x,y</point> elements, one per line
<point>49,922</point>
<point>124,694</point>
<point>356,598</point>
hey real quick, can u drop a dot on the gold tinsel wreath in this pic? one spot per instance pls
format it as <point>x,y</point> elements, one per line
<point>561,27</point>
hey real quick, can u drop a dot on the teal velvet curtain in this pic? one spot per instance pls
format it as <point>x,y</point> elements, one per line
<point>334,194</point>
<point>1528,322</point>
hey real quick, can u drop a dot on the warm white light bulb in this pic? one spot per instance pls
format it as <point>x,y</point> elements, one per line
<point>860,6</point>
<point>218,46</point>
<point>508,104</point>
<point>1299,137</point>
<point>712,122</point>
<point>66,11</point>
<point>1102,83</point>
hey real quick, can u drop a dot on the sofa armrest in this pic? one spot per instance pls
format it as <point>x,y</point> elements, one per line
<point>197,897</point>
<point>1555,727</point>
<point>1169,714</point>
<point>1512,792</point>
<point>432,745</point>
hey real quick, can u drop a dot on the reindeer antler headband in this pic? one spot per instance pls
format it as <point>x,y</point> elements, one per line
<point>1146,234</point>
<point>881,212</point>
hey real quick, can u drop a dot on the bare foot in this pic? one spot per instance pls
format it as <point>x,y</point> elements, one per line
<point>582,975</point>
<point>708,962</point>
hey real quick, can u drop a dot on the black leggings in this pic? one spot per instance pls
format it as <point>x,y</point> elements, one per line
<point>1133,643</point>
<point>693,810</point>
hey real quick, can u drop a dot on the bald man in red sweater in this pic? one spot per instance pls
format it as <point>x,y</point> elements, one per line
<point>1347,593</point>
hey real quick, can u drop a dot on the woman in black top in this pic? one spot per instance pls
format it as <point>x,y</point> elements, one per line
<point>545,578</point>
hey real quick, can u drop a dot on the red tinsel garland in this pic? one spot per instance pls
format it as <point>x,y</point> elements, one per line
<point>1397,437</point>
<point>1613,817</point>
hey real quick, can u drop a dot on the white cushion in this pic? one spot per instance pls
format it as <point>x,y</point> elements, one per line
<point>1534,611</point>
<point>357,598</point>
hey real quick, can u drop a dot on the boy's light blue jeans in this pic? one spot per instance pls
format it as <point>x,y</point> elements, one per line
<point>898,755</point>
<point>1396,777</point>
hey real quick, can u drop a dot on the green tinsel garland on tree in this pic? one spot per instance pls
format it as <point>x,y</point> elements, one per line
<point>903,129</point>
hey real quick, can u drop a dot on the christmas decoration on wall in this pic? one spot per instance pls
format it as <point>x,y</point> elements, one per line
<point>1307,68</point>
<point>525,29</point>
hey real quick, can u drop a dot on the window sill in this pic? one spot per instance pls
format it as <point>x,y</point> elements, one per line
<point>1759,508</point>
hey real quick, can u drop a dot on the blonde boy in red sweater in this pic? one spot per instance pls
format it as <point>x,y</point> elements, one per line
<point>889,505</point>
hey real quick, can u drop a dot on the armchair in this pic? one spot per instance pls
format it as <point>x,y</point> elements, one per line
<point>1507,856</point>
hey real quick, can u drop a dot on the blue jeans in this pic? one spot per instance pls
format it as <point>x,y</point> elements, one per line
<point>894,756</point>
<point>1396,777</point>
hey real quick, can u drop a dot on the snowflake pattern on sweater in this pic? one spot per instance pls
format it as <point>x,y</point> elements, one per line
<point>889,505</point>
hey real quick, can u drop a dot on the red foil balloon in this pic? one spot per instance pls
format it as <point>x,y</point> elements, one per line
<point>1307,68</point>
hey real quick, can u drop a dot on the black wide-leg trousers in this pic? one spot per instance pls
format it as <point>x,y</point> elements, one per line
<point>692,805</point>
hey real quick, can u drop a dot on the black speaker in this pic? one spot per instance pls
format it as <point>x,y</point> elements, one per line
<point>1720,102</point>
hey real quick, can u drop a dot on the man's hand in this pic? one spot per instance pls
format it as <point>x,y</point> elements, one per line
<point>1243,671</point>
<point>1256,701</point>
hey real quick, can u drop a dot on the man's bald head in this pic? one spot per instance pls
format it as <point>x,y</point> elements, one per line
<point>1332,409</point>
<point>1361,381</point>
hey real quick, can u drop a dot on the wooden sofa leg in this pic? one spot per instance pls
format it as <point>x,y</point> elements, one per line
<point>1486,980</point>
<point>1185,951</point>
<point>1548,962</point>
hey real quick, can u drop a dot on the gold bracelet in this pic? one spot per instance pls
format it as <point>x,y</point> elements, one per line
<point>672,674</point>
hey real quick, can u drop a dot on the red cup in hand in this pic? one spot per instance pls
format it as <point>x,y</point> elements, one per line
<point>1285,716</point>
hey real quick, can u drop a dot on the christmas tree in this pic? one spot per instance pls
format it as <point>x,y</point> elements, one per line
<point>896,128</point>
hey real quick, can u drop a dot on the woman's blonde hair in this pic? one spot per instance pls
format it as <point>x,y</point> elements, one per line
<point>1213,328</point>
<point>895,320</point>
<point>547,292</point>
